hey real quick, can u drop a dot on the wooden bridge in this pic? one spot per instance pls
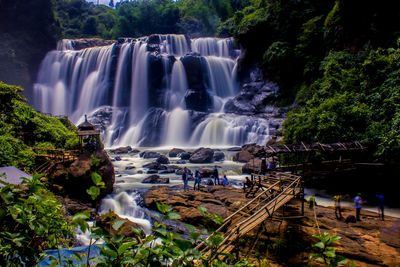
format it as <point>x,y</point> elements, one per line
<point>274,191</point>
<point>296,148</point>
<point>53,156</point>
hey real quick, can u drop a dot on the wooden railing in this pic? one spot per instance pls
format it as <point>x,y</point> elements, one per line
<point>277,190</point>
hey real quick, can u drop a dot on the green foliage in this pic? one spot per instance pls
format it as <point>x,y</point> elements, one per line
<point>325,253</point>
<point>357,98</point>
<point>32,220</point>
<point>22,127</point>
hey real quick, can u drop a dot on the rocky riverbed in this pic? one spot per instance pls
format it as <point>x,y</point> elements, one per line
<point>287,242</point>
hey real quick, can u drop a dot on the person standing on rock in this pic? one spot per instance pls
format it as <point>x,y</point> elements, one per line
<point>358,203</point>
<point>381,206</point>
<point>197,181</point>
<point>338,210</point>
<point>216,176</point>
<point>185,178</point>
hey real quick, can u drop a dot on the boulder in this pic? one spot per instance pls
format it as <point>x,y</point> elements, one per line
<point>152,171</point>
<point>167,171</point>
<point>205,172</point>
<point>129,167</point>
<point>219,156</point>
<point>117,158</point>
<point>202,155</point>
<point>175,152</point>
<point>121,150</point>
<point>236,148</point>
<point>185,155</point>
<point>149,154</point>
<point>181,161</point>
<point>253,166</point>
<point>75,178</point>
<point>83,43</point>
<point>106,221</point>
<point>243,156</point>
<point>155,166</point>
<point>163,159</point>
<point>156,179</point>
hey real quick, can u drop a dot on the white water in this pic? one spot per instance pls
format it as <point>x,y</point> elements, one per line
<point>76,83</point>
<point>124,205</point>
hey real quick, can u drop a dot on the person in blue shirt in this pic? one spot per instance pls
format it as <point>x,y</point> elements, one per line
<point>197,180</point>
<point>358,203</point>
<point>216,176</point>
<point>225,181</point>
<point>381,206</point>
<point>185,178</point>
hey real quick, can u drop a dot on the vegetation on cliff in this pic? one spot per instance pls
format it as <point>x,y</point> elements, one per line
<point>338,60</point>
<point>21,128</point>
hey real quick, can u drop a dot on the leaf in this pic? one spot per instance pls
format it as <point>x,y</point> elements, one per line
<point>96,178</point>
<point>202,209</point>
<point>173,216</point>
<point>117,224</point>
<point>183,244</point>
<point>106,251</point>
<point>319,245</point>
<point>125,246</point>
<point>163,208</point>
<point>194,236</point>
<point>190,227</point>
<point>94,192</point>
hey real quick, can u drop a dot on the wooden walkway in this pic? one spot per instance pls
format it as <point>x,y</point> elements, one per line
<point>53,156</point>
<point>295,148</point>
<point>275,190</point>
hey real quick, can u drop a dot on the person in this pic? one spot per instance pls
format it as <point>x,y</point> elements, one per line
<point>185,178</point>
<point>358,203</point>
<point>197,181</point>
<point>381,206</point>
<point>338,210</point>
<point>247,184</point>
<point>271,165</point>
<point>311,202</point>
<point>216,176</point>
<point>263,167</point>
<point>225,180</point>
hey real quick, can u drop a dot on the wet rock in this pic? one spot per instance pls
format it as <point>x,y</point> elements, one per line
<point>186,155</point>
<point>243,156</point>
<point>236,148</point>
<point>121,150</point>
<point>129,167</point>
<point>163,159</point>
<point>167,171</point>
<point>253,166</point>
<point>219,156</point>
<point>149,154</point>
<point>202,155</point>
<point>117,158</point>
<point>156,179</point>
<point>106,221</point>
<point>181,161</point>
<point>205,172</point>
<point>155,166</point>
<point>152,171</point>
<point>135,151</point>
<point>83,43</point>
<point>175,152</point>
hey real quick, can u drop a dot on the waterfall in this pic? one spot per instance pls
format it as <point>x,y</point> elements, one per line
<point>156,90</point>
<point>125,206</point>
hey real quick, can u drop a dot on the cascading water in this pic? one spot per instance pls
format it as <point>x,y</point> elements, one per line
<point>162,90</point>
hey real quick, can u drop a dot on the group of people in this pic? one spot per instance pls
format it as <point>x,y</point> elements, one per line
<point>198,176</point>
<point>358,205</point>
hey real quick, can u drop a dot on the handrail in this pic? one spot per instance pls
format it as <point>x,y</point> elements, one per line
<point>269,206</point>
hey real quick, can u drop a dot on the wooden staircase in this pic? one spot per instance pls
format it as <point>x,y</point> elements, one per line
<point>52,157</point>
<point>277,189</point>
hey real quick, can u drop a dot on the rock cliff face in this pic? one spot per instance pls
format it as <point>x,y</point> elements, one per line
<point>73,179</point>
